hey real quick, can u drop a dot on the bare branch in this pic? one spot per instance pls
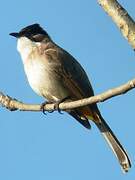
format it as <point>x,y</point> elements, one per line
<point>122,19</point>
<point>13,104</point>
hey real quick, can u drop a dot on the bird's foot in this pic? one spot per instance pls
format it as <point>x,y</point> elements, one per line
<point>56,105</point>
<point>43,105</point>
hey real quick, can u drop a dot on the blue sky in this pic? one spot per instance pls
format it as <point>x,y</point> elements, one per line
<point>56,147</point>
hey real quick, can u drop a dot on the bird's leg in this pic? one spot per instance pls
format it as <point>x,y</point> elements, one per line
<point>56,105</point>
<point>43,105</point>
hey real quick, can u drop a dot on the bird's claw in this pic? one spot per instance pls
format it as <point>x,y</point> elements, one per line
<point>43,105</point>
<point>56,105</point>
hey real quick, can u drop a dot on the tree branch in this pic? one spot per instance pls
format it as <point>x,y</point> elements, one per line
<point>13,104</point>
<point>122,19</point>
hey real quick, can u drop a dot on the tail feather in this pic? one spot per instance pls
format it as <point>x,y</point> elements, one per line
<point>107,133</point>
<point>113,142</point>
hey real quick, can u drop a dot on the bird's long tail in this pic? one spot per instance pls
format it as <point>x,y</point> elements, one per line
<point>113,143</point>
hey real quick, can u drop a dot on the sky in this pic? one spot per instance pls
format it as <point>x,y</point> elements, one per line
<point>56,147</point>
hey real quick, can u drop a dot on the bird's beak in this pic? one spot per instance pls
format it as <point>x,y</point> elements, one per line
<point>14,34</point>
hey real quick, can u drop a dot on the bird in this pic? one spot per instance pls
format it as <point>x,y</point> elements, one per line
<point>57,76</point>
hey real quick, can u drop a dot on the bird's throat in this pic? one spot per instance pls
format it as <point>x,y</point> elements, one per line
<point>24,47</point>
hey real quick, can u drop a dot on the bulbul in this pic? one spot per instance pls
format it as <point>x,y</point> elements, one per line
<point>56,75</point>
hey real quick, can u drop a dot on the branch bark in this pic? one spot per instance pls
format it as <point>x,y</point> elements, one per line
<point>121,18</point>
<point>13,104</point>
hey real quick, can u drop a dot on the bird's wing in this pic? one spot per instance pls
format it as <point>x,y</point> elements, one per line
<point>73,77</point>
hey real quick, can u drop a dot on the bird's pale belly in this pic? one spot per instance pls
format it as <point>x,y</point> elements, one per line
<point>45,83</point>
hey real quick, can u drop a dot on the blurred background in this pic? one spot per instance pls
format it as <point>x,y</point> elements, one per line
<point>56,147</point>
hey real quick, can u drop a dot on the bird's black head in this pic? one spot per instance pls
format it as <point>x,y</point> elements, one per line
<point>34,32</point>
